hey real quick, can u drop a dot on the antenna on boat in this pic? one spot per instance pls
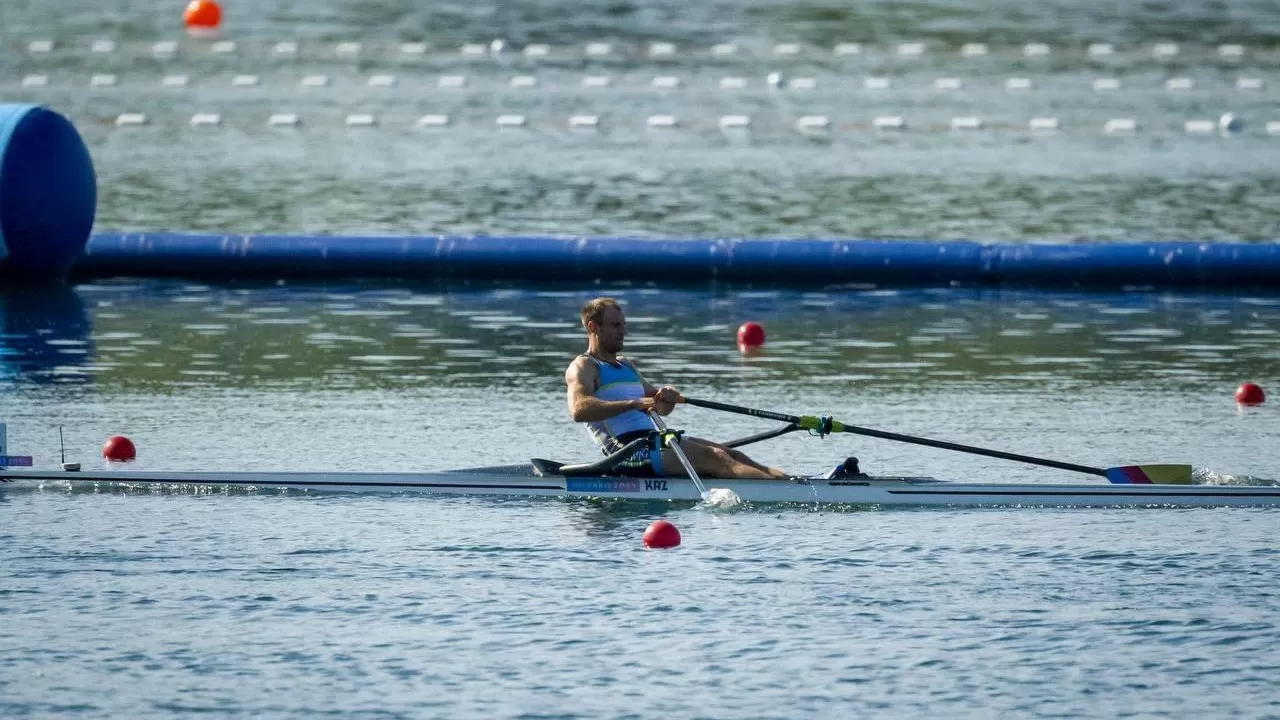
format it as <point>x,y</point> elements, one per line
<point>62,446</point>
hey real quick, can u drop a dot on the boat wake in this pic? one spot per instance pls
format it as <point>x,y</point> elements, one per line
<point>1205,476</point>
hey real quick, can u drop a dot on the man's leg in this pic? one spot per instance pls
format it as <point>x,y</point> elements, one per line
<point>716,461</point>
<point>744,459</point>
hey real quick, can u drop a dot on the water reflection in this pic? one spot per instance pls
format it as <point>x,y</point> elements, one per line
<point>44,334</point>
<point>604,518</point>
<point>163,333</point>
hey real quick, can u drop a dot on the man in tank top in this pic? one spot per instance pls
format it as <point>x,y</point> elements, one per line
<point>606,392</point>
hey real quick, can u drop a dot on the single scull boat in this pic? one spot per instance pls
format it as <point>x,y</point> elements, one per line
<point>525,480</point>
<point>1131,485</point>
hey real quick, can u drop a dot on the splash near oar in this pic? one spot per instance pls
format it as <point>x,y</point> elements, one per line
<point>1156,474</point>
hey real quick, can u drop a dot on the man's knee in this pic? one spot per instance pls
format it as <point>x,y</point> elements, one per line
<point>713,456</point>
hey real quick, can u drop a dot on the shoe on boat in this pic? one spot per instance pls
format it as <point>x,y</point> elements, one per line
<point>848,468</point>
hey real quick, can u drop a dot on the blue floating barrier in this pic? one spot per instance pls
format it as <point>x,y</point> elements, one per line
<point>778,262</point>
<point>1156,264</point>
<point>536,259</point>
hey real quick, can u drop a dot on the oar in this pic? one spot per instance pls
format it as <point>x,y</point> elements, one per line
<point>675,445</point>
<point>1162,474</point>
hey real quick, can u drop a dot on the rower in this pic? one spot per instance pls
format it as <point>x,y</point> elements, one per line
<point>608,393</point>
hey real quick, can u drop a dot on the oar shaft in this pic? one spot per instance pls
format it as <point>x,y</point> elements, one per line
<point>974,450</point>
<point>837,426</point>
<point>679,451</point>
<point>713,405</point>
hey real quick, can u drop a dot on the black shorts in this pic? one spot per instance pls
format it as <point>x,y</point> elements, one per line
<point>646,462</point>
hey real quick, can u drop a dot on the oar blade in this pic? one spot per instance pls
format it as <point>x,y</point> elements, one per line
<point>1151,475</point>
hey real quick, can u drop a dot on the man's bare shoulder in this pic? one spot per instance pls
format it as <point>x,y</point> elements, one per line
<point>629,363</point>
<point>581,366</point>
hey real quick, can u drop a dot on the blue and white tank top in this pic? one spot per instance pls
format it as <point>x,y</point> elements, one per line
<point>618,382</point>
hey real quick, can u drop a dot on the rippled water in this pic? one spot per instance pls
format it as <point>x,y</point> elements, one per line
<point>161,604</point>
<point>157,605</point>
<point>406,372</point>
<point>623,178</point>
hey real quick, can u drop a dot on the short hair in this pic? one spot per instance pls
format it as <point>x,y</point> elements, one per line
<point>594,309</point>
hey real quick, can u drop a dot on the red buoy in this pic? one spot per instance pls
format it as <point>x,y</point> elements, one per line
<point>202,15</point>
<point>119,448</point>
<point>661,534</point>
<point>1250,394</point>
<point>750,335</point>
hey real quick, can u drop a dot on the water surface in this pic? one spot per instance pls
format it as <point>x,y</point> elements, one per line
<point>161,604</point>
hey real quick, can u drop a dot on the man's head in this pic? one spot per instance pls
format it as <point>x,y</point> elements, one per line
<point>603,320</point>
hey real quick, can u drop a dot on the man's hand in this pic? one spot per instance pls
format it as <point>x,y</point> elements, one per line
<point>653,403</point>
<point>664,401</point>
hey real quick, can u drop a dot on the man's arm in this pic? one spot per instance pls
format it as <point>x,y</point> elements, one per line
<point>581,379</point>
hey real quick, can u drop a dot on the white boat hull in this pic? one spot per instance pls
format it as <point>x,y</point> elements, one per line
<point>520,480</point>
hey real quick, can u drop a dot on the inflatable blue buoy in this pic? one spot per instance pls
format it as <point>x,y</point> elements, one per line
<point>48,194</point>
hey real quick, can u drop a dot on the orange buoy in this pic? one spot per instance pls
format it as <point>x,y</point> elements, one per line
<point>202,15</point>
<point>1250,394</point>
<point>750,335</point>
<point>119,448</point>
<point>661,534</point>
